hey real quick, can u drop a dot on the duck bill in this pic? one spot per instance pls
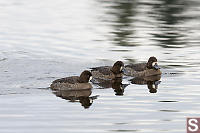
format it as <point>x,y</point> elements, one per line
<point>156,66</point>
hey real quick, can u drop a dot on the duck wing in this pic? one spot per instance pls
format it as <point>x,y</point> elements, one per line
<point>137,67</point>
<point>71,80</point>
<point>105,70</point>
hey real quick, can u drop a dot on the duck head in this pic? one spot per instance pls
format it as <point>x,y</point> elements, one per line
<point>85,77</point>
<point>118,67</point>
<point>152,63</point>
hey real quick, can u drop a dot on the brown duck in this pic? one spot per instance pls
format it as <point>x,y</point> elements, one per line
<point>108,72</point>
<point>143,69</point>
<point>73,82</point>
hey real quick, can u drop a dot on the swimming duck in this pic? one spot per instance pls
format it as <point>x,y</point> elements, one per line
<point>73,82</point>
<point>108,72</point>
<point>143,69</point>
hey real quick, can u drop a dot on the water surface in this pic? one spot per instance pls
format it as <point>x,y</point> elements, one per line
<point>41,41</point>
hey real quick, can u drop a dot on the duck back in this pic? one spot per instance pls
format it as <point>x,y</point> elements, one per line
<point>69,83</point>
<point>137,67</point>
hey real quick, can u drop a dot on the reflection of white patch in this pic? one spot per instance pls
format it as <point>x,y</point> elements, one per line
<point>90,78</point>
<point>153,86</point>
<point>91,101</point>
<point>153,64</point>
<point>121,88</point>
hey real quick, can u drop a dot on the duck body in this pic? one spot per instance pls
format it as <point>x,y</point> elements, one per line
<point>143,69</point>
<point>108,72</point>
<point>131,71</point>
<point>105,72</point>
<point>137,67</point>
<point>73,82</point>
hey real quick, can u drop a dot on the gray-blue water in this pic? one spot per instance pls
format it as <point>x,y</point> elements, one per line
<point>41,41</point>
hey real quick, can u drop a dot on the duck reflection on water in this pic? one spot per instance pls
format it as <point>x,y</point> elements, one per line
<point>152,82</point>
<point>82,96</point>
<point>116,84</point>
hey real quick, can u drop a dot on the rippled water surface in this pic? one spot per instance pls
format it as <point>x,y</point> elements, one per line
<point>41,41</point>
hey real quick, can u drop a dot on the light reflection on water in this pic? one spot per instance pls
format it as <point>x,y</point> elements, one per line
<point>43,41</point>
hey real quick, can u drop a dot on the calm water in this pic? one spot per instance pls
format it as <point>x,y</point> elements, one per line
<point>41,41</point>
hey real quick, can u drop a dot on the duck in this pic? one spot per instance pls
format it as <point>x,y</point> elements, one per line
<point>74,82</point>
<point>143,69</point>
<point>108,72</point>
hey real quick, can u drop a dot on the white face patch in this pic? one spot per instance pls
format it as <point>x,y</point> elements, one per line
<point>153,64</point>
<point>121,68</point>
<point>90,78</point>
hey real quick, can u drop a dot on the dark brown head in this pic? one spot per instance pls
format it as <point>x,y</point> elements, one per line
<point>152,63</point>
<point>118,67</point>
<point>85,76</point>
